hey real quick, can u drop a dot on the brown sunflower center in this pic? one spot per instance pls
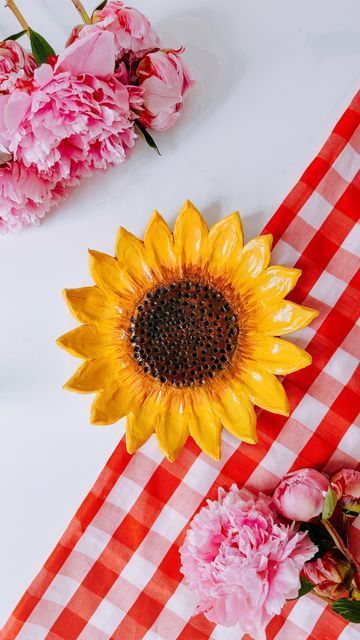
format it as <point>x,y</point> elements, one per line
<point>184,333</point>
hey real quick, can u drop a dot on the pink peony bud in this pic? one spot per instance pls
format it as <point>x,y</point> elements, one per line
<point>93,54</point>
<point>15,63</point>
<point>346,484</point>
<point>354,540</point>
<point>132,31</point>
<point>165,79</point>
<point>300,495</point>
<point>74,35</point>
<point>332,574</point>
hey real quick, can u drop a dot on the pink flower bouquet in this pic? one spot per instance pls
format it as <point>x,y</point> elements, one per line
<point>64,117</point>
<point>244,556</point>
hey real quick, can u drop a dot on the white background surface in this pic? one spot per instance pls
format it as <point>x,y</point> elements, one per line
<point>273,78</point>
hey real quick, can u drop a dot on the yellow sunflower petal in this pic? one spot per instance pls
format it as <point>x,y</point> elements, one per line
<point>205,426</point>
<point>226,239</point>
<point>111,404</point>
<point>92,376</point>
<point>254,259</point>
<point>275,283</point>
<point>108,275</point>
<point>141,422</point>
<point>265,390</point>
<point>279,356</point>
<point>90,303</point>
<point>285,317</point>
<point>191,236</point>
<point>237,414</point>
<point>172,427</point>
<point>130,252</point>
<point>84,341</point>
<point>159,244</point>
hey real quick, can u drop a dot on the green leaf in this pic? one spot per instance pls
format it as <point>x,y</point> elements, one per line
<point>352,510</point>
<point>40,47</point>
<point>100,6</point>
<point>329,504</point>
<point>305,587</point>
<point>319,536</point>
<point>16,36</point>
<point>348,609</point>
<point>148,138</point>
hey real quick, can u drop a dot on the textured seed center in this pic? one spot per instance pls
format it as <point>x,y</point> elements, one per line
<point>184,333</point>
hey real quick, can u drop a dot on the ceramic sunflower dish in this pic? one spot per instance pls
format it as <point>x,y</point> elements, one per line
<point>180,333</point>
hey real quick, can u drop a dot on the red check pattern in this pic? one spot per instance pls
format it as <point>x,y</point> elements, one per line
<point>115,572</point>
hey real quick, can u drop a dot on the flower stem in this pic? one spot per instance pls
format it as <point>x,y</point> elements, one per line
<point>17,13</point>
<point>346,523</point>
<point>82,11</point>
<point>340,544</point>
<point>328,600</point>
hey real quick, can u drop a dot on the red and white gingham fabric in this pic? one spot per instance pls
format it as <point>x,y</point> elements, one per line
<point>115,572</point>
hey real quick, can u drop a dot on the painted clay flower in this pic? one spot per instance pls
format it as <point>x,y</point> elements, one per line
<point>75,117</point>
<point>132,31</point>
<point>331,574</point>
<point>346,484</point>
<point>165,79</point>
<point>179,333</point>
<point>300,495</point>
<point>15,63</point>
<point>242,562</point>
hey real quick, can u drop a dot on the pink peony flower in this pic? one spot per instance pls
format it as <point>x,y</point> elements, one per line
<point>346,484</point>
<point>165,79</point>
<point>242,561</point>
<point>25,196</point>
<point>300,495</point>
<point>15,63</point>
<point>63,124</point>
<point>131,29</point>
<point>331,574</point>
<point>67,124</point>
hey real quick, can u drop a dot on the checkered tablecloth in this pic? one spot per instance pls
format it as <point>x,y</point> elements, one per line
<point>115,572</point>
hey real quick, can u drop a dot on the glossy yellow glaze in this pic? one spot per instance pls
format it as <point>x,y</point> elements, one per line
<point>257,292</point>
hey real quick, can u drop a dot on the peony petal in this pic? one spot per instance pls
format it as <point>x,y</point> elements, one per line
<point>112,403</point>
<point>92,376</point>
<point>204,425</point>
<point>191,236</point>
<point>141,423</point>
<point>130,253</point>
<point>226,239</point>
<point>275,283</point>
<point>279,356</point>
<point>237,414</point>
<point>84,341</point>
<point>285,317</point>
<point>265,390</point>
<point>93,54</point>
<point>108,275</point>
<point>172,427</point>
<point>89,303</point>
<point>254,258</point>
<point>15,110</point>
<point>159,244</point>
